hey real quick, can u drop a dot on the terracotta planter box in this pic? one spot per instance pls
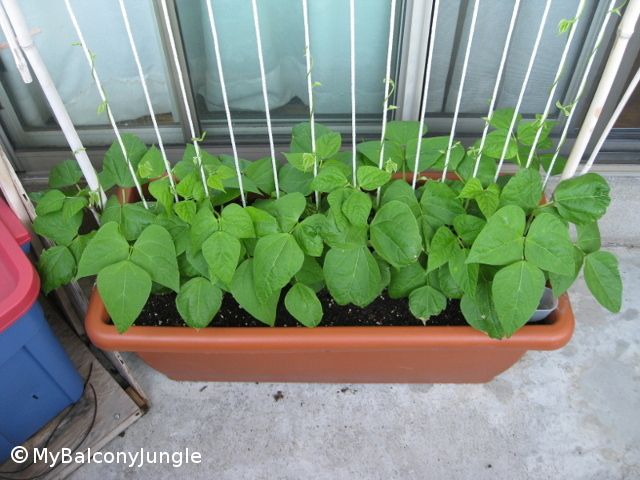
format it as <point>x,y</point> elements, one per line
<point>381,354</point>
<point>329,354</point>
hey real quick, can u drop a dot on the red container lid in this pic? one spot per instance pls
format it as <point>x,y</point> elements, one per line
<point>13,223</point>
<point>19,281</point>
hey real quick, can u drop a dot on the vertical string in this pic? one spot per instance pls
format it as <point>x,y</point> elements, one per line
<point>312,118</point>
<point>352,41</point>
<point>225,100</point>
<point>525,82</point>
<point>425,90</point>
<point>496,88</point>
<point>387,89</point>
<point>103,97</point>
<point>147,97</point>
<point>556,80</point>
<point>581,88</point>
<point>183,93</point>
<point>263,78</point>
<point>463,75</point>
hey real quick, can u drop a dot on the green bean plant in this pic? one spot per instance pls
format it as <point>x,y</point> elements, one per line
<point>492,245</point>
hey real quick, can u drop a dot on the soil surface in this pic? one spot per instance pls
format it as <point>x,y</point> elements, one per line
<point>161,310</point>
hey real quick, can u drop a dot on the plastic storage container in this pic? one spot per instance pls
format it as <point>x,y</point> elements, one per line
<point>37,378</point>
<point>15,227</point>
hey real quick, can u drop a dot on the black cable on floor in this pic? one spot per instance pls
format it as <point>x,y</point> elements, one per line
<point>53,432</point>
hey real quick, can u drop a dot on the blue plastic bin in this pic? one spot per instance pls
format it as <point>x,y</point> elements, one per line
<point>37,378</point>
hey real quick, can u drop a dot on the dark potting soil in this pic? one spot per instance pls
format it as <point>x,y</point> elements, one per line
<point>160,310</point>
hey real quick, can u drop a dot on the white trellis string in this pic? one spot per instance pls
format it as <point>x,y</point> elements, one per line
<point>143,82</point>
<point>265,95</point>
<point>556,80</point>
<point>103,97</point>
<point>387,89</point>
<point>581,88</point>
<point>614,118</point>
<point>225,100</point>
<point>425,90</point>
<point>352,42</point>
<point>525,82</point>
<point>496,88</point>
<point>183,93</point>
<point>463,75</point>
<point>312,117</point>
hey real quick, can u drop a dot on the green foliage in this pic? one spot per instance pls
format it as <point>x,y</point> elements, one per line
<point>492,245</point>
<point>198,302</point>
<point>303,304</point>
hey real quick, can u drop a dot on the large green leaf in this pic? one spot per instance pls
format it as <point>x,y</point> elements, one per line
<point>468,227</point>
<point>329,178</point>
<point>293,180</point>
<point>328,145</point>
<point>65,174</point>
<point>561,283</point>
<point>198,302</point>
<point>236,221</point>
<point>309,235</point>
<point>524,189</point>
<point>107,247</point>
<point>464,274</point>
<point>425,302</point>
<point>263,222</point>
<point>242,289</point>
<point>222,253</point>
<point>602,275</point>
<point>202,226</point>
<point>582,199</point>
<point>116,170</point>
<point>371,152</point>
<point>395,234</point>
<point>501,241</point>
<point>370,178</point>
<point>57,227</point>
<point>440,204</point>
<point>152,164</point>
<point>495,143</point>
<point>124,288</point>
<point>443,244</point>
<point>277,258</point>
<point>303,304</point>
<point>402,131</point>
<point>51,201</point>
<point>479,311</point>
<point>287,210</point>
<point>261,172</point>
<point>502,119</point>
<point>155,252</point>
<point>57,267</point>
<point>401,191</point>
<point>161,191</point>
<point>548,245</point>
<point>406,279</point>
<point>352,275</point>
<point>588,237</point>
<point>517,290</point>
<point>311,274</point>
<point>357,208</point>
<point>132,218</point>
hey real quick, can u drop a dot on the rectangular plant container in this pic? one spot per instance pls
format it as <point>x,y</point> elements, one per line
<point>380,354</point>
<point>37,378</point>
<point>457,354</point>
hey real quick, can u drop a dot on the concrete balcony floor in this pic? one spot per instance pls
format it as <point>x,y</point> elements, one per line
<point>570,414</point>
